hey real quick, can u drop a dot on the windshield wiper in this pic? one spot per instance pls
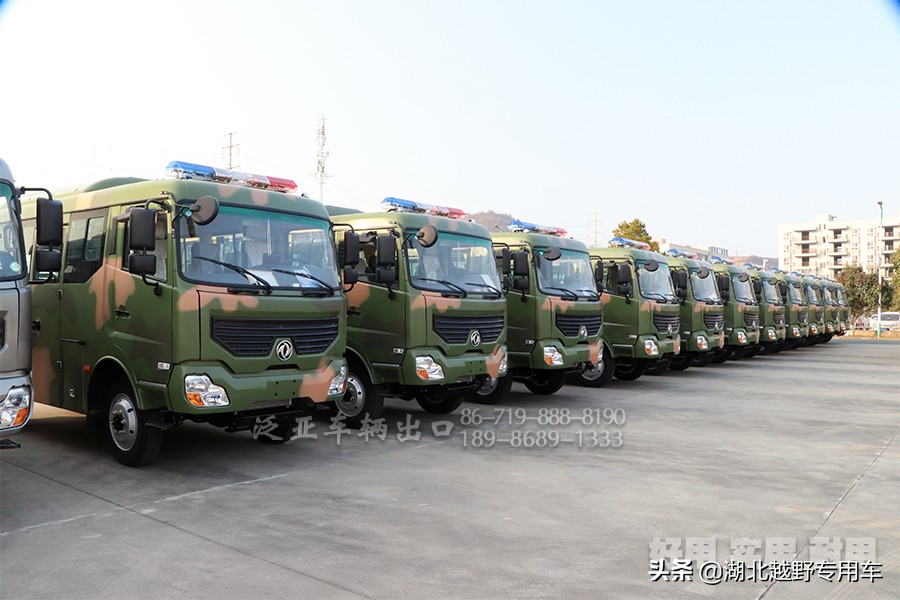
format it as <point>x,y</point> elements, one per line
<point>321,283</point>
<point>709,300</point>
<point>267,288</point>
<point>594,295</point>
<point>662,297</point>
<point>570,292</point>
<point>485,285</point>
<point>462,291</point>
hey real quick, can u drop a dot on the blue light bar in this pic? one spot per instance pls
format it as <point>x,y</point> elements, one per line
<point>186,170</point>
<point>398,204</point>
<point>674,252</point>
<point>517,225</point>
<point>626,243</point>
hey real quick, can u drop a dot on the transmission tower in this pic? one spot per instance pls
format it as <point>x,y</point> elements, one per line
<point>232,149</point>
<point>321,155</point>
<point>596,224</point>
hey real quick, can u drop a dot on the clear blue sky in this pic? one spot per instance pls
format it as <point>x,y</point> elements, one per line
<point>712,121</point>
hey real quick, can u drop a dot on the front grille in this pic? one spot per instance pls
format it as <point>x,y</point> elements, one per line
<point>255,337</point>
<point>456,330</point>
<point>804,317</point>
<point>751,320</point>
<point>663,322</point>
<point>714,322</point>
<point>570,324</point>
<point>779,318</point>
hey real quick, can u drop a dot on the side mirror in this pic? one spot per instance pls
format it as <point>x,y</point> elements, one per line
<point>681,293</point>
<point>386,253</point>
<point>624,274</point>
<point>782,287</point>
<point>49,224</point>
<point>427,236</point>
<point>386,275</point>
<point>724,287</point>
<point>679,279</point>
<point>351,275</point>
<point>521,283</point>
<point>348,250</point>
<point>651,265</point>
<point>47,261</point>
<point>204,210</point>
<point>703,272</point>
<point>142,264</point>
<point>552,253</point>
<point>757,288</point>
<point>744,277</point>
<point>504,260</point>
<point>598,274</point>
<point>520,264</point>
<point>142,230</point>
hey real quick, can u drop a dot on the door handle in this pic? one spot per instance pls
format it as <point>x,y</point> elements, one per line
<point>122,312</point>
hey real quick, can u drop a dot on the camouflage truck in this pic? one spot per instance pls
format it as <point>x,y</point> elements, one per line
<point>741,311</point>
<point>813,291</point>
<point>843,308</point>
<point>641,314</point>
<point>427,319</point>
<point>211,297</point>
<point>702,311</point>
<point>832,317</point>
<point>553,310</point>
<point>15,297</point>
<point>796,309</point>
<point>772,320</point>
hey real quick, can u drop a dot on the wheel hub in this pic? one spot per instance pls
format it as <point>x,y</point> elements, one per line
<point>353,401</point>
<point>123,422</point>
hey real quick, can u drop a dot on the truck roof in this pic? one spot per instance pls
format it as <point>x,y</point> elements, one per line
<point>635,253</point>
<point>539,240</point>
<point>411,220</point>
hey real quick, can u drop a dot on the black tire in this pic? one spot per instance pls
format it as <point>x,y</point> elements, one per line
<point>777,347</point>
<point>492,392</point>
<point>444,406</point>
<point>630,369</point>
<point>704,358</point>
<point>827,338</point>
<point>682,362</point>
<point>281,433</point>
<point>753,350</point>
<point>600,374</point>
<point>739,353</point>
<point>133,443</point>
<point>361,399</point>
<point>657,367</point>
<point>545,382</point>
<point>720,355</point>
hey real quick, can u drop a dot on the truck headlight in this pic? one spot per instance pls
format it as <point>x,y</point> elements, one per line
<point>813,328</point>
<point>339,383</point>
<point>504,365</point>
<point>830,328</point>
<point>702,342</point>
<point>200,391</point>
<point>742,337</point>
<point>795,331</point>
<point>552,356</point>
<point>427,369</point>
<point>16,407</point>
<point>651,348</point>
<point>772,334</point>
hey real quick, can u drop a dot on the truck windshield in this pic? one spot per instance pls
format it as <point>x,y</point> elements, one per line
<point>771,292</point>
<point>704,288</point>
<point>657,284</point>
<point>842,299</point>
<point>251,247</point>
<point>829,300</point>
<point>12,265</point>
<point>743,291</point>
<point>811,295</point>
<point>456,264</point>
<point>796,295</point>
<point>569,274</point>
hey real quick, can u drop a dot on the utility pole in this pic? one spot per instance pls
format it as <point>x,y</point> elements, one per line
<point>878,264</point>
<point>321,155</point>
<point>232,148</point>
<point>596,223</point>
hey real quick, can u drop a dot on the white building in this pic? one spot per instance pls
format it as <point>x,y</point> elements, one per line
<point>704,252</point>
<point>825,246</point>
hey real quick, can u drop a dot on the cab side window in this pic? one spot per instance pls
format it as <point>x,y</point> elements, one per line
<point>84,246</point>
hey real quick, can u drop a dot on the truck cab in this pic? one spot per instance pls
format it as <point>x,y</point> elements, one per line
<point>212,296</point>
<point>553,309</point>
<point>702,310</point>
<point>832,309</point>
<point>843,309</point>
<point>741,310</point>
<point>812,288</point>
<point>796,308</point>
<point>772,320</point>
<point>426,320</point>
<point>641,313</point>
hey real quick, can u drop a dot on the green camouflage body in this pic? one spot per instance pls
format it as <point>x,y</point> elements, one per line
<point>811,285</point>
<point>386,334</point>
<point>832,316</point>
<point>115,326</point>
<point>772,318</point>
<point>843,310</point>
<point>739,317</point>
<point>698,318</point>
<point>533,316</point>
<point>628,324</point>
<point>797,322</point>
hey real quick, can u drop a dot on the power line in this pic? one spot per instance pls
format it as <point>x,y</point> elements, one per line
<point>321,175</point>
<point>232,148</point>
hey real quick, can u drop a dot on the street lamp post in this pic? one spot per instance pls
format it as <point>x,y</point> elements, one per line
<point>878,265</point>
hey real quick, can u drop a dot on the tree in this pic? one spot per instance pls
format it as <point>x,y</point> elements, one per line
<point>635,230</point>
<point>862,291</point>
<point>895,279</point>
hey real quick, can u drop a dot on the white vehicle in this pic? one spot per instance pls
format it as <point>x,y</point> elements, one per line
<point>890,321</point>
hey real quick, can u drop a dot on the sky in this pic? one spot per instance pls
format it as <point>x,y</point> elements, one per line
<point>711,121</point>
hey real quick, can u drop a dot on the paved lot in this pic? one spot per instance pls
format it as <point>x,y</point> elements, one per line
<point>796,445</point>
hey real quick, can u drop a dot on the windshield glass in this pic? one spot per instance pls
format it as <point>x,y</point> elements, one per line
<point>842,299</point>
<point>704,289</point>
<point>826,293</point>
<point>571,272</point>
<point>743,291</point>
<point>771,292</point>
<point>811,295</point>
<point>796,294</point>
<point>12,265</point>
<point>285,250</point>
<point>462,261</point>
<point>656,284</point>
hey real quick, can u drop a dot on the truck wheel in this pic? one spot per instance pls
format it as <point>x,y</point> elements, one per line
<point>629,369</point>
<point>133,443</point>
<point>704,358</point>
<point>739,353</point>
<point>828,338</point>
<point>443,406</point>
<point>680,362</point>
<point>545,382</point>
<point>361,399</point>
<point>599,374</point>
<point>720,355</point>
<point>660,366</point>
<point>493,391</point>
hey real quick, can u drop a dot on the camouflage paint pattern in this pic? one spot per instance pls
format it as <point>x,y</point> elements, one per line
<point>736,312</point>
<point>114,323</point>
<point>843,310</point>
<point>817,326</point>
<point>796,313</point>
<point>694,311</point>
<point>772,319</point>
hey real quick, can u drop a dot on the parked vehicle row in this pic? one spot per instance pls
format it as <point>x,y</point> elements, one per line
<point>220,297</point>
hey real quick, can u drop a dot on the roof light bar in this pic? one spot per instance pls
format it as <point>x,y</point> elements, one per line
<point>186,170</point>
<point>401,205</point>
<point>750,265</point>
<point>718,260</point>
<point>518,226</point>
<point>621,242</point>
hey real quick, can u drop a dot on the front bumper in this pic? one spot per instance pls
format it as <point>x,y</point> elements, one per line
<point>457,369</point>
<point>572,356</point>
